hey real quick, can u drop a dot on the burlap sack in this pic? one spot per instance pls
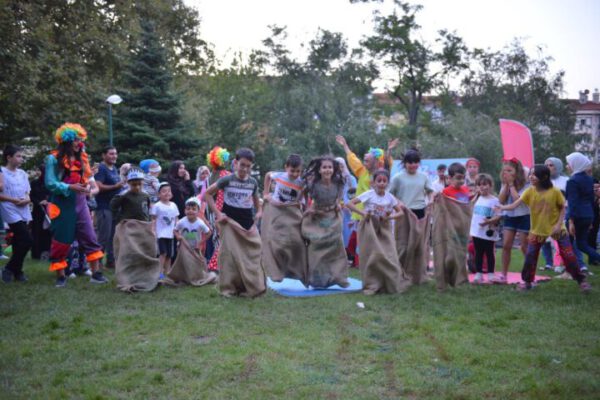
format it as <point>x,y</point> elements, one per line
<point>379,266</point>
<point>189,268</point>
<point>283,248</point>
<point>412,236</point>
<point>451,226</point>
<point>136,265</point>
<point>326,256</point>
<point>239,258</point>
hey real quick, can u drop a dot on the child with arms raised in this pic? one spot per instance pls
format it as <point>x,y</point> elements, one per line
<point>379,265</point>
<point>239,257</point>
<point>516,221</point>
<point>547,205</point>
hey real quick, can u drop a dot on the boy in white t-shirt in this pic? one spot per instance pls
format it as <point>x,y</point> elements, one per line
<point>378,201</point>
<point>191,228</point>
<point>288,185</point>
<point>484,229</point>
<point>164,217</point>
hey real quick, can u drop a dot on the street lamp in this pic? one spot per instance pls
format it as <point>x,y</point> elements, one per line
<point>110,100</point>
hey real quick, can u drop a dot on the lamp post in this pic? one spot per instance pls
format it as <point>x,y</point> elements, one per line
<point>110,100</point>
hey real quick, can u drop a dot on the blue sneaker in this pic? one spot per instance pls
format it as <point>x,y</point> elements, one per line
<point>7,276</point>
<point>98,278</point>
<point>61,282</point>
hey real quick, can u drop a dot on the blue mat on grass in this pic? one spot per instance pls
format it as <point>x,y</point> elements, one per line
<point>295,288</point>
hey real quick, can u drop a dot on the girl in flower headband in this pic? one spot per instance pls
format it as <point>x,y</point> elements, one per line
<point>68,175</point>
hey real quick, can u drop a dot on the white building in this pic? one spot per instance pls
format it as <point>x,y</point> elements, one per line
<point>587,123</point>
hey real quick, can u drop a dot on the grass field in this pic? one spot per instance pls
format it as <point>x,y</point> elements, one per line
<point>93,342</point>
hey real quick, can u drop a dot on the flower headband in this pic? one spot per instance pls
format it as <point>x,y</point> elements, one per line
<point>217,157</point>
<point>513,160</point>
<point>68,132</point>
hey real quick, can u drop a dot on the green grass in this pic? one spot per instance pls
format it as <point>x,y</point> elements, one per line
<point>469,343</point>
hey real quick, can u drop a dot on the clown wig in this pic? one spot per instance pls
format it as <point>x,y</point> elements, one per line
<point>68,132</point>
<point>217,157</point>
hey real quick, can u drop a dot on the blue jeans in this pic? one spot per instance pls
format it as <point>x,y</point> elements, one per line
<point>547,252</point>
<point>582,229</point>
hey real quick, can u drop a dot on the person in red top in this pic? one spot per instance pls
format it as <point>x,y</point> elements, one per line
<point>457,188</point>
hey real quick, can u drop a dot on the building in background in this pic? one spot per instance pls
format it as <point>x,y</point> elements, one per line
<point>587,123</point>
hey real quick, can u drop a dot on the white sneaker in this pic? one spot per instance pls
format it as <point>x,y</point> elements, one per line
<point>88,272</point>
<point>3,257</point>
<point>72,275</point>
<point>478,278</point>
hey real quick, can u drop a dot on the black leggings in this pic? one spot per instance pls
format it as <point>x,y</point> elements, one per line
<point>21,243</point>
<point>483,246</point>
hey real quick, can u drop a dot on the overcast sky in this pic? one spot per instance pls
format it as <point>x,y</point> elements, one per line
<point>569,30</point>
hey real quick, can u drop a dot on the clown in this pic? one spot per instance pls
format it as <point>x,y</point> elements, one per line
<point>217,159</point>
<point>67,178</point>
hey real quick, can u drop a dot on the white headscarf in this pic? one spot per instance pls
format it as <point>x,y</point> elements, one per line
<point>578,162</point>
<point>341,161</point>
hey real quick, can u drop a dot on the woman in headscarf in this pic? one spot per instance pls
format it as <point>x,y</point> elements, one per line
<point>580,197</point>
<point>201,181</point>
<point>181,185</point>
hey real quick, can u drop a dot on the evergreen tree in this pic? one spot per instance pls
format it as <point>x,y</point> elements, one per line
<point>148,122</point>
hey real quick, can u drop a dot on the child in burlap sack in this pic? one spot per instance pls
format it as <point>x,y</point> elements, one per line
<point>239,256</point>
<point>379,265</point>
<point>322,224</point>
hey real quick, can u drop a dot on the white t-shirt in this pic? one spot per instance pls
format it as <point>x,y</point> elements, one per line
<point>560,183</point>
<point>376,204</point>
<point>16,185</point>
<point>484,209</point>
<point>192,231</point>
<point>166,218</point>
<point>286,190</point>
<point>437,185</point>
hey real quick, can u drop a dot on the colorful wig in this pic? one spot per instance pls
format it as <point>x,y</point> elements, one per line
<point>68,132</point>
<point>217,157</point>
<point>378,153</point>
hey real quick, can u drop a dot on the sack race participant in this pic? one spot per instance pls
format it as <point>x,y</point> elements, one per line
<point>190,265</point>
<point>136,267</point>
<point>239,258</point>
<point>411,235</point>
<point>322,225</point>
<point>379,266</point>
<point>189,268</point>
<point>283,249</point>
<point>451,227</point>
<point>67,178</point>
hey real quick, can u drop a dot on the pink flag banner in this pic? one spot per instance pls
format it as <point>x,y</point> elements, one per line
<point>517,142</point>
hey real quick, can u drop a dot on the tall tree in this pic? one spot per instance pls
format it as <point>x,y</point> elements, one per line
<point>60,59</point>
<point>419,68</point>
<point>512,84</point>
<point>148,122</point>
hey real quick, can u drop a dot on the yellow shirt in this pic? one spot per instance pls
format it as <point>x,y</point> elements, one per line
<point>545,209</point>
